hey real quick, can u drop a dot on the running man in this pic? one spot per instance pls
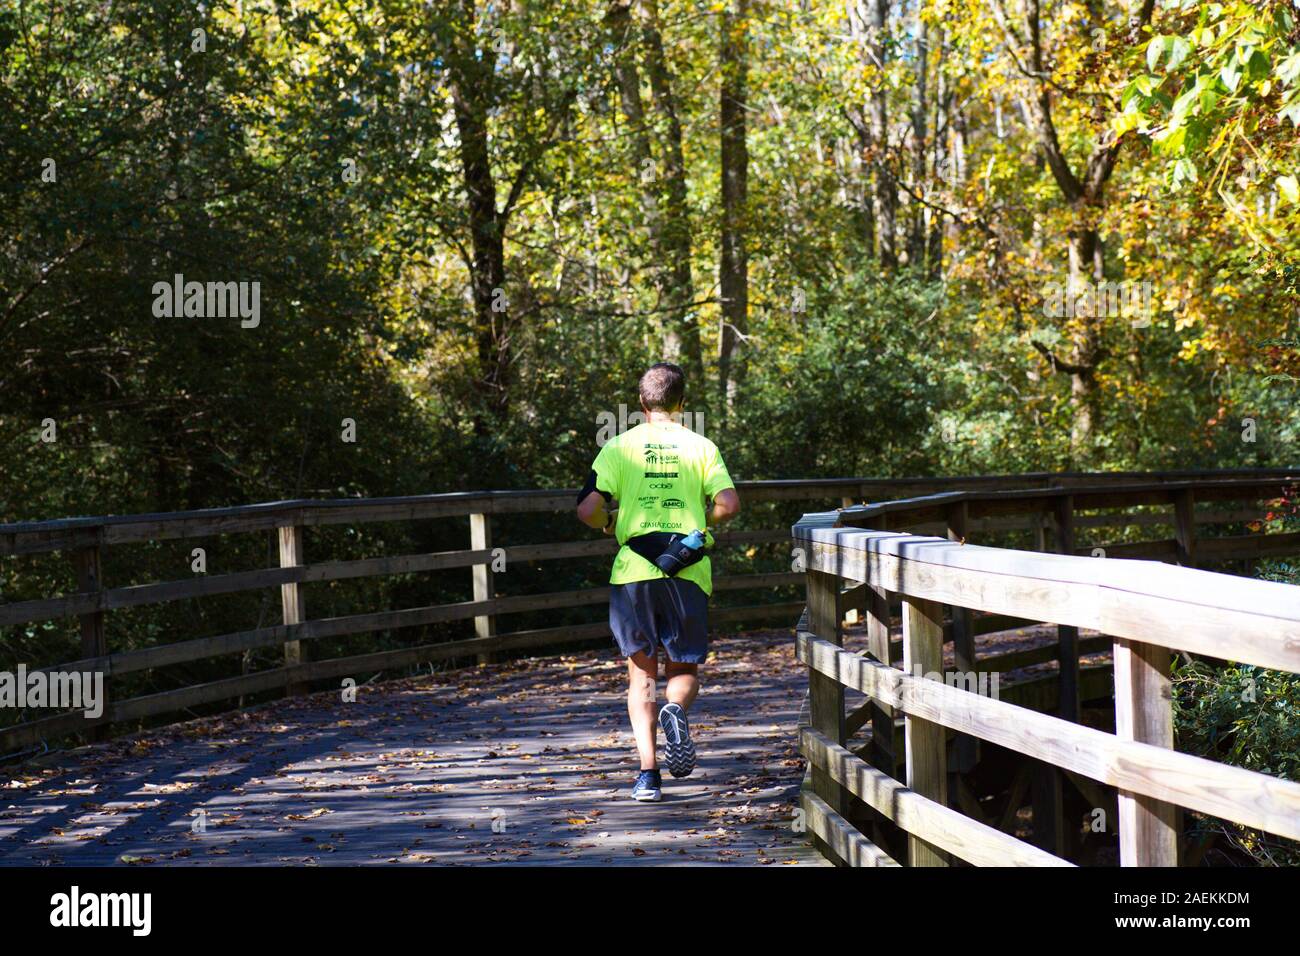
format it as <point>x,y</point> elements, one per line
<point>648,488</point>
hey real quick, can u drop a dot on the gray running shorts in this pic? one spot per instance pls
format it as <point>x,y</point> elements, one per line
<point>667,612</point>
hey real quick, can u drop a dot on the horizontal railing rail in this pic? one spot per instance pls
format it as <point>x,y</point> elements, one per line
<point>1143,609</point>
<point>64,534</point>
<point>87,540</point>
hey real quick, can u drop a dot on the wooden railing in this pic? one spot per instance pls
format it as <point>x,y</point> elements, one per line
<point>857,798</point>
<point>86,541</point>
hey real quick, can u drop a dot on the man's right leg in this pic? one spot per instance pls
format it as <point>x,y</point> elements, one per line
<point>642,674</point>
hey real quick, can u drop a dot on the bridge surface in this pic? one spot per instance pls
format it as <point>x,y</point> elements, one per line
<point>526,762</point>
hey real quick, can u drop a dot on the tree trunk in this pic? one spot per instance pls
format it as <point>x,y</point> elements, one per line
<point>940,160</point>
<point>622,36</point>
<point>864,214</point>
<point>886,189</point>
<point>733,268</point>
<point>676,224</point>
<point>1087,261</point>
<point>1085,195</point>
<point>916,239</point>
<point>471,89</point>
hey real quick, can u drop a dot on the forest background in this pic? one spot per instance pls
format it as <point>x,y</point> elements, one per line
<point>883,237</point>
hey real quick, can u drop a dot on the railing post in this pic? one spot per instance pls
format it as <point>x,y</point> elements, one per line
<point>826,694</point>
<point>94,641</point>
<point>1047,796</point>
<point>480,539</point>
<point>1067,636</point>
<point>926,744</point>
<point>1148,834</point>
<point>883,754</point>
<point>852,602</point>
<point>1047,786</point>
<point>291,605</point>
<point>877,618</point>
<point>1185,526</point>
<point>881,648</point>
<point>963,639</point>
<point>90,580</point>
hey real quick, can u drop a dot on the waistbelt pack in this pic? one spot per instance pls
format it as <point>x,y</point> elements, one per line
<point>669,551</point>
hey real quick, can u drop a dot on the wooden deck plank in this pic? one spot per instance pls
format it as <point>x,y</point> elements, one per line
<point>419,770</point>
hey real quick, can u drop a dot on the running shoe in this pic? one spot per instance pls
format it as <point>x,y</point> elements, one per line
<point>648,787</point>
<point>679,749</point>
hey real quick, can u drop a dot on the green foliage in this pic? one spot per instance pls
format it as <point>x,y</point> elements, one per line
<point>1226,86</point>
<point>1243,716</point>
<point>851,386</point>
<point>226,163</point>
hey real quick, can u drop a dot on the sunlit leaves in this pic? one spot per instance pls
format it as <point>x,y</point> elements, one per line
<point>1175,47</point>
<point>1289,189</point>
<point>1213,97</point>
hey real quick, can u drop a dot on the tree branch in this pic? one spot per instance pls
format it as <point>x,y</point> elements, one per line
<point>1069,368</point>
<point>1041,102</point>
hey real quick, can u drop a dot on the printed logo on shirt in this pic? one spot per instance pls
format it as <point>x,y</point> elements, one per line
<point>661,454</point>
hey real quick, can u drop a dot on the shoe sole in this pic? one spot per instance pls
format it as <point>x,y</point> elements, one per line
<point>648,796</point>
<point>679,749</point>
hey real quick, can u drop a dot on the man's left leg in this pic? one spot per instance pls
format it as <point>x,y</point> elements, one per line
<point>685,610</point>
<point>683,683</point>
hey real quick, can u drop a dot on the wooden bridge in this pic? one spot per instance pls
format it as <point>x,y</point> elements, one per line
<point>485,759</point>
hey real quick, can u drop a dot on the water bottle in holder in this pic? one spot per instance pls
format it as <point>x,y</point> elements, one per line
<point>681,553</point>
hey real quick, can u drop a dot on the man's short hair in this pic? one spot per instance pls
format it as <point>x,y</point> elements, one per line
<point>662,387</point>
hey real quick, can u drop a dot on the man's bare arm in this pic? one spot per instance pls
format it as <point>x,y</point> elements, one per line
<point>593,513</point>
<point>726,505</point>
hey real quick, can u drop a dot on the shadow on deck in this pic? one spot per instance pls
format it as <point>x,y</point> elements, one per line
<point>527,762</point>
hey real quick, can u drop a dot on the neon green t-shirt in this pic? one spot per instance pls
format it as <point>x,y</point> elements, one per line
<point>660,473</point>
